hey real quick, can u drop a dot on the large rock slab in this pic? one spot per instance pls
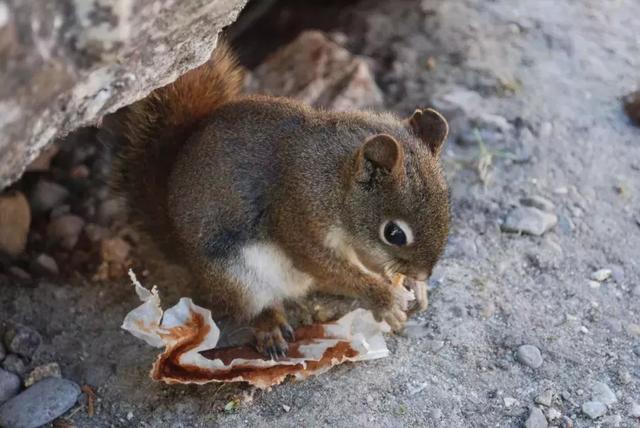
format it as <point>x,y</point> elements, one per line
<point>319,72</point>
<point>64,64</point>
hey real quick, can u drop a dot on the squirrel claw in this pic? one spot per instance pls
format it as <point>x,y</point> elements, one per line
<point>288,333</point>
<point>272,344</point>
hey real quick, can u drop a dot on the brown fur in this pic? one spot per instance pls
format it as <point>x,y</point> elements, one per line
<point>209,173</point>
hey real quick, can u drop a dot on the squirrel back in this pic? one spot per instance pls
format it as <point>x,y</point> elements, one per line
<point>150,133</point>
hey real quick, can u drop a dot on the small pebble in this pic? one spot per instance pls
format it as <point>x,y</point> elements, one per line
<point>624,377</point>
<point>561,190</point>
<point>107,211</point>
<point>9,385</point>
<point>553,414</point>
<point>129,416</point>
<point>594,409</point>
<point>44,264</point>
<point>114,250</point>
<point>286,408</point>
<point>529,355</point>
<point>632,328</point>
<point>602,393</point>
<point>636,350</point>
<point>14,364</point>
<point>634,412</point>
<point>538,202</point>
<point>65,230</point>
<point>536,419</point>
<point>545,399</point>
<point>42,372</point>
<point>39,404</point>
<point>15,220</point>
<point>601,275</point>
<point>612,421</point>
<point>509,402</point>
<point>594,284</point>
<point>47,195</point>
<point>567,422</point>
<point>530,221</point>
<point>22,340</point>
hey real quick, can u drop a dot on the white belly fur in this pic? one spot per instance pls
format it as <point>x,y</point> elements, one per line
<point>268,276</point>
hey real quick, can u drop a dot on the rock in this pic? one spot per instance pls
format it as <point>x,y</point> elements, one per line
<point>15,220</point>
<point>538,202</point>
<point>40,404</point>
<point>65,230</point>
<point>529,355</point>
<point>9,385</point>
<point>286,408</point>
<point>95,233</point>
<point>22,340</point>
<point>632,329</point>
<point>63,74</point>
<point>114,250</point>
<point>612,421</point>
<point>509,402</point>
<point>530,221</point>
<point>601,275</point>
<point>320,72</point>
<point>42,372</point>
<point>636,350</point>
<point>594,409</point>
<point>14,364</point>
<point>594,284</point>
<point>536,419</point>
<point>631,104</point>
<point>624,377</point>
<point>458,105</point>
<point>43,162</point>
<point>107,211</point>
<point>47,195</point>
<point>20,273</point>
<point>115,259</point>
<point>545,399</point>
<point>602,393</point>
<point>44,264</point>
<point>553,414</point>
<point>634,411</point>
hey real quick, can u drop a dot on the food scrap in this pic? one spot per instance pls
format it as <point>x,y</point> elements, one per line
<point>189,337</point>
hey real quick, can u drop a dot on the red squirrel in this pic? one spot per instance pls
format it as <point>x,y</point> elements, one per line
<point>266,199</point>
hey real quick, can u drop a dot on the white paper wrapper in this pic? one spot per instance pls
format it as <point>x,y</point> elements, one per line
<point>190,336</point>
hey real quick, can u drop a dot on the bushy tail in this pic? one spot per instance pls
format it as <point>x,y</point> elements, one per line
<point>150,132</point>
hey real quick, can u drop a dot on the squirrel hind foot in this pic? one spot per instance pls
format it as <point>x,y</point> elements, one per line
<point>272,332</point>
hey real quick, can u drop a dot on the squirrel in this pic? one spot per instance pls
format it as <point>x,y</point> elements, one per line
<point>266,199</point>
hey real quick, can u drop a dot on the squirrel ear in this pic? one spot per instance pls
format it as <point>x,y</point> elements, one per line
<point>431,127</point>
<point>380,151</point>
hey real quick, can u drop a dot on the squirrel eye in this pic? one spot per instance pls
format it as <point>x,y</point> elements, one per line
<point>393,234</point>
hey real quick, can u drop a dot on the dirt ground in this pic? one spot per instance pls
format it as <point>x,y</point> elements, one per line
<point>546,80</point>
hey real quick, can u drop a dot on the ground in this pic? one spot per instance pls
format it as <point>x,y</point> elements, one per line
<point>548,78</point>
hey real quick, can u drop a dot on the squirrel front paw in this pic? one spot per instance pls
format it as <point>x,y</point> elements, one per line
<point>272,332</point>
<point>391,305</point>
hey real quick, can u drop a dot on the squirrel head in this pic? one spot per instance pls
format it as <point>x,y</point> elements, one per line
<point>396,206</point>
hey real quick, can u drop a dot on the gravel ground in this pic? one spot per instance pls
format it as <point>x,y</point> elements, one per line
<point>533,314</point>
